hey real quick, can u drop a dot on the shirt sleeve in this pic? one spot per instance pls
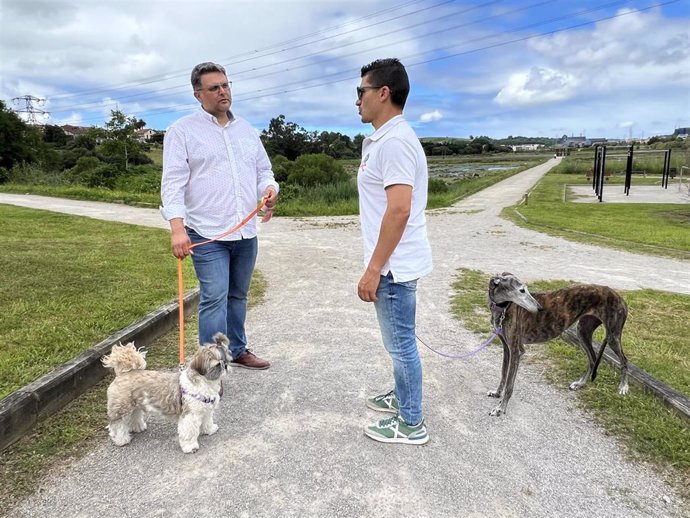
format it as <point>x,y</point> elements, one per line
<point>398,162</point>
<point>264,171</point>
<point>175,174</point>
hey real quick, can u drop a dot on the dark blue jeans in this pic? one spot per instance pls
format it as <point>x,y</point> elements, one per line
<point>224,270</point>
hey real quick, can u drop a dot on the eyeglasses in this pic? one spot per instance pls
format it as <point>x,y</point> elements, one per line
<point>216,88</point>
<point>362,89</point>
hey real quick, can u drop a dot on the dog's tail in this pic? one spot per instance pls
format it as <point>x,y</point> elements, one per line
<point>125,358</point>
<point>601,353</point>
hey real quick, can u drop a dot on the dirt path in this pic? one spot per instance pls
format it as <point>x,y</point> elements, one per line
<point>290,442</point>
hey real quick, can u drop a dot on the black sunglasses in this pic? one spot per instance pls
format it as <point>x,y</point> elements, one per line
<point>362,89</point>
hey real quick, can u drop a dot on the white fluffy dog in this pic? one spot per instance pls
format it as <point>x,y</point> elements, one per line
<point>191,395</point>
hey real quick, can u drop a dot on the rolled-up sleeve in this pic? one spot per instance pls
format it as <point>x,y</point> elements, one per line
<point>175,174</point>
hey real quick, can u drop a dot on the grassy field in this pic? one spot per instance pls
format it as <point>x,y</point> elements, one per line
<point>647,228</point>
<point>73,282</point>
<point>654,339</point>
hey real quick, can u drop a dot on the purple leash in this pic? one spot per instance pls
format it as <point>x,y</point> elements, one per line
<point>496,332</point>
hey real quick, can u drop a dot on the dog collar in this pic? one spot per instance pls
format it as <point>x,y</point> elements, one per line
<point>494,305</point>
<point>199,397</point>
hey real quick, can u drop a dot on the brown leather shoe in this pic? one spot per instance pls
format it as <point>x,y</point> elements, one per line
<point>249,360</point>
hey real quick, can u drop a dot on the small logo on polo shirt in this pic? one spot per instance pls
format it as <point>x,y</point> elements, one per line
<point>363,165</point>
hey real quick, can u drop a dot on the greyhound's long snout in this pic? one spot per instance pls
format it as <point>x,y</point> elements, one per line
<point>525,299</point>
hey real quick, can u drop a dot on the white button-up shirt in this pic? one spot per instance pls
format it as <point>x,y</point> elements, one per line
<point>213,175</point>
<point>393,155</point>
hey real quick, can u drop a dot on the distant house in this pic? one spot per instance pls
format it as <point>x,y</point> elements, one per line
<point>74,131</point>
<point>573,141</point>
<point>146,135</point>
<point>681,133</point>
<point>526,147</point>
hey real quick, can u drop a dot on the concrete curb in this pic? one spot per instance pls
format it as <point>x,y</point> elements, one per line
<point>23,408</point>
<point>672,398</point>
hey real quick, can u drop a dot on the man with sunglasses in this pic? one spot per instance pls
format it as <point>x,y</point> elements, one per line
<point>215,168</point>
<point>392,184</point>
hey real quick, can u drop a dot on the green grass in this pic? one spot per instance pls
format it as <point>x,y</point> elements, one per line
<point>654,339</point>
<point>72,281</point>
<point>69,291</point>
<point>73,192</point>
<point>156,154</point>
<point>660,229</point>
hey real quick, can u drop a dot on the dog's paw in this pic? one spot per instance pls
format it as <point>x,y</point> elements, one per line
<point>121,441</point>
<point>497,411</point>
<point>190,448</point>
<point>576,385</point>
<point>623,389</point>
<point>211,430</point>
<point>493,393</point>
<point>139,427</point>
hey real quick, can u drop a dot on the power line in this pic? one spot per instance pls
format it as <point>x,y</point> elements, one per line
<point>322,62</point>
<point>147,95</point>
<point>253,54</point>
<point>187,106</point>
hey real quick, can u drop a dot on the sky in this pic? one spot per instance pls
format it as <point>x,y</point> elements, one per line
<point>594,68</point>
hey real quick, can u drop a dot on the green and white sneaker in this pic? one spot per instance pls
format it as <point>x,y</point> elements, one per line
<point>395,429</point>
<point>384,403</point>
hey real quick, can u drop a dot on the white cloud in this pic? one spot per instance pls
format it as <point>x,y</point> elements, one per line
<point>538,85</point>
<point>433,116</point>
<point>86,57</point>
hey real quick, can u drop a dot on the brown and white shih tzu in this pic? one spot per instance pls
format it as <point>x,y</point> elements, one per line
<point>190,395</point>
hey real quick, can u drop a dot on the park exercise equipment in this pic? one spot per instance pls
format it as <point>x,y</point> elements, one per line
<point>600,167</point>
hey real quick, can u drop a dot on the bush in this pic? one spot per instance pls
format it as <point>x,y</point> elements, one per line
<point>32,174</point>
<point>312,170</point>
<point>281,168</point>
<point>140,159</point>
<point>140,178</point>
<point>437,186</point>
<point>89,171</point>
<point>289,192</point>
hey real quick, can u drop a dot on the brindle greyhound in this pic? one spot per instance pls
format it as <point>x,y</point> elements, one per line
<point>524,319</point>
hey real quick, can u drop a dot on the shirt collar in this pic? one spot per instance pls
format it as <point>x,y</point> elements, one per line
<point>213,119</point>
<point>389,125</point>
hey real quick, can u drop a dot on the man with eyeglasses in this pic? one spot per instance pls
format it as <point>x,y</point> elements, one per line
<point>392,184</point>
<point>215,168</point>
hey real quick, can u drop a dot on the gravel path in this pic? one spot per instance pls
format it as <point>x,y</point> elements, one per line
<point>290,441</point>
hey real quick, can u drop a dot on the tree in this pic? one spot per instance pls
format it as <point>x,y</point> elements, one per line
<point>357,143</point>
<point>54,135</point>
<point>287,139</point>
<point>18,140</point>
<point>120,143</point>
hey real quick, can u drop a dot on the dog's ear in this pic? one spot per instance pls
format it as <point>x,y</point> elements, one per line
<point>199,362</point>
<point>221,339</point>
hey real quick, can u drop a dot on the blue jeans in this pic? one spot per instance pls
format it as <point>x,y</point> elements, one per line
<point>224,270</point>
<point>396,312</point>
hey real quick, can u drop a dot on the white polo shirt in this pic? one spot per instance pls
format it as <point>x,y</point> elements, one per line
<point>393,155</point>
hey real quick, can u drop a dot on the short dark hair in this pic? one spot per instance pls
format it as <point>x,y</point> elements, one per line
<point>204,68</point>
<point>389,72</point>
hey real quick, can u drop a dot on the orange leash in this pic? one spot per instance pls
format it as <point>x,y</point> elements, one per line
<point>180,281</point>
